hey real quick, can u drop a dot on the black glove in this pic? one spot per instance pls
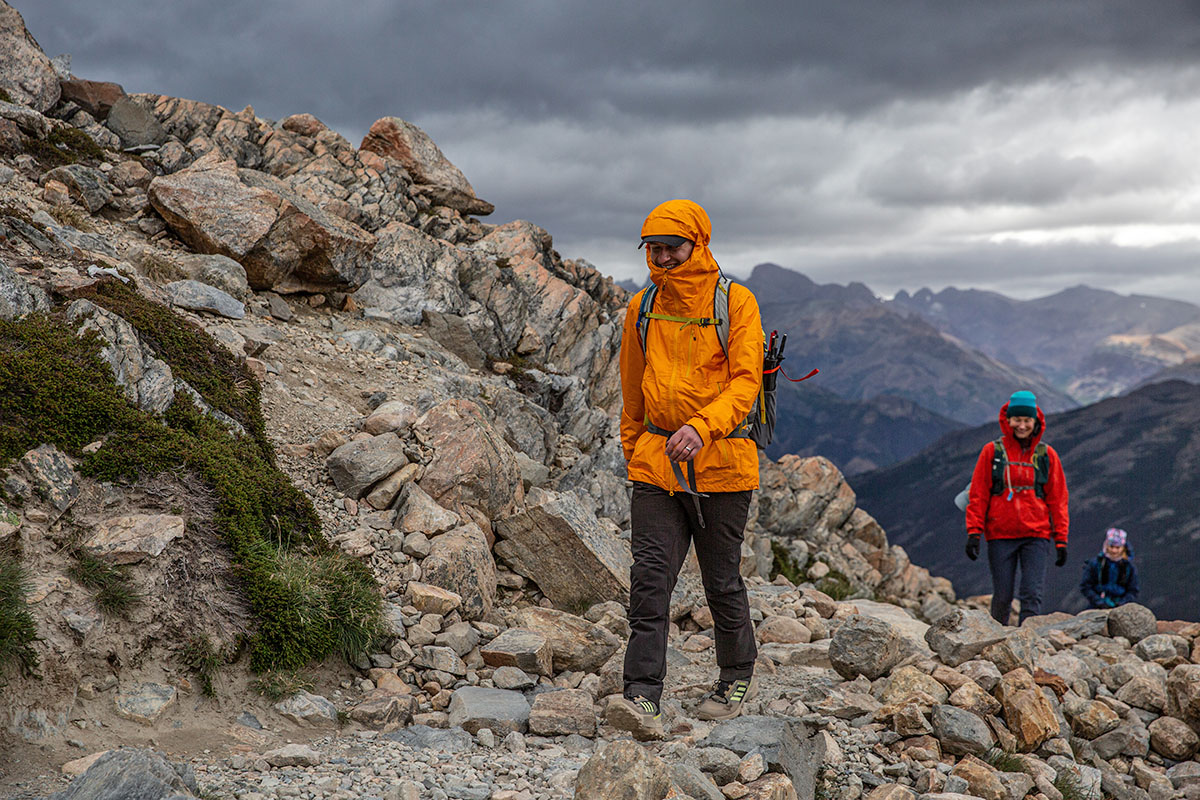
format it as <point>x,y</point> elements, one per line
<point>973,546</point>
<point>1061,557</point>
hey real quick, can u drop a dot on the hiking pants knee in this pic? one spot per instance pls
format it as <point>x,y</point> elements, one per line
<point>1032,555</point>
<point>663,525</point>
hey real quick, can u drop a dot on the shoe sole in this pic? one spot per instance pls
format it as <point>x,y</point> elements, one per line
<point>624,718</point>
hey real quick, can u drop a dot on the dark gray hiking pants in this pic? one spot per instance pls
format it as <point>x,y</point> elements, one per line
<point>1032,554</point>
<point>663,526</point>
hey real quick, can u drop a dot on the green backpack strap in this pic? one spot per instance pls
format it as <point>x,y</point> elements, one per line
<point>1041,467</point>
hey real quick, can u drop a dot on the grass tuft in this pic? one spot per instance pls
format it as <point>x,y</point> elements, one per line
<point>74,217</point>
<point>277,684</point>
<point>18,630</point>
<point>114,588</point>
<point>1004,760</point>
<point>1068,784</point>
<point>205,659</point>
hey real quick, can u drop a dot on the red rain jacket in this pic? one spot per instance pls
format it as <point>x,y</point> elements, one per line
<point>1026,514</point>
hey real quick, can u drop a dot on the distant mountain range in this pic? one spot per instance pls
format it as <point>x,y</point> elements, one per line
<point>1089,343</point>
<point>1132,462</point>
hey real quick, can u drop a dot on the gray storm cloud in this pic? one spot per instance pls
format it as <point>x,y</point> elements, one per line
<point>899,144</point>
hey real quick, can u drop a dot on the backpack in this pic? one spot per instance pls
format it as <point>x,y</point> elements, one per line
<point>1040,464</point>
<point>759,424</point>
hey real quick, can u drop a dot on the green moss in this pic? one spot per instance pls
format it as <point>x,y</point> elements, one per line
<point>5,96</point>
<point>836,585</point>
<point>785,564</point>
<point>225,383</point>
<point>65,145</point>
<point>115,593</point>
<point>53,388</point>
<point>310,599</point>
<point>18,630</point>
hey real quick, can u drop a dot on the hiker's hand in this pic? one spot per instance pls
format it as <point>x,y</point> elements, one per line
<point>973,546</point>
<point>684,444</point>
<point>1061,557</point>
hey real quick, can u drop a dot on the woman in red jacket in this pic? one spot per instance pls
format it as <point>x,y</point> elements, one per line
<point>1018,502</point>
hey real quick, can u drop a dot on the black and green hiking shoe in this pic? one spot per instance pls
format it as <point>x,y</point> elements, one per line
<point>639,716</point>
<point>726,699</point>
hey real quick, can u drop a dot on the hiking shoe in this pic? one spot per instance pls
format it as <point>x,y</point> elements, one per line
<point>726,699</point>
<point>639,716</point>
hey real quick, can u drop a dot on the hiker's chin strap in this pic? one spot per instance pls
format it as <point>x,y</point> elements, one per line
<point>688,484</point>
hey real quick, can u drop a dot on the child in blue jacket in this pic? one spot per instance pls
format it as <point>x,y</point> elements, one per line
<point>1110,579</point>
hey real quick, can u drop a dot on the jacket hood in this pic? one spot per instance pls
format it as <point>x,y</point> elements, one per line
<point>695,277</point>
<point>1039,427</point>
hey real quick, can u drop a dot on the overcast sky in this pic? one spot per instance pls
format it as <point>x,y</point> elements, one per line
<point>1023,146</point>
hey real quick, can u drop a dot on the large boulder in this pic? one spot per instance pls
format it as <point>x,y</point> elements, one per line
<point>1173,738</point>
<point>1183,694</point>
<point>94,97</point>
<point>410,273</point>
<point>133,124</point>
<point>395,138</point>
<point>864,646</point>
<point>284,242</point>
<point>577,645</point>
<point>356,466</point>
<point>623,769</point>
<point>1133,621</point>
<point>564,550</point>
<point>25,71</point>
<point>960,731</point>
<point>132,773</point>
<point>85,184</point>
<point>473,471</point>
<point>1028,713</point>
<point>474,707</point>
<point>962,635</point>
<point>460,561</point>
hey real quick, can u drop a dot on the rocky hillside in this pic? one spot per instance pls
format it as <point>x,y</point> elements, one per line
<point>1089,342</point>
<point>311,488</point>
<point>1132,462</point>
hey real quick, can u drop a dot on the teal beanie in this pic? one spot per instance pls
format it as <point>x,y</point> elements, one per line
<point>1022,404</point>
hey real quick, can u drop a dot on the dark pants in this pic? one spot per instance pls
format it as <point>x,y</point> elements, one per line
<point>1032,553</point>
<point>663,525</point>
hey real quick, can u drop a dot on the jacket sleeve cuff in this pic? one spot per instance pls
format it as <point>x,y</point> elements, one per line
<point>702,429</point>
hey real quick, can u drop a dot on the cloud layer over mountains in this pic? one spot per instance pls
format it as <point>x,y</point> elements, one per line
<point>1021,146</point>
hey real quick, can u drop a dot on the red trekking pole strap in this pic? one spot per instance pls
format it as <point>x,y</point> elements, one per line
<point>779,369</point>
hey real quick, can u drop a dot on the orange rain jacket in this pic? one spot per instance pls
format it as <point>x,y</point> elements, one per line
<point>684,377</point>
<point>1026,514</point>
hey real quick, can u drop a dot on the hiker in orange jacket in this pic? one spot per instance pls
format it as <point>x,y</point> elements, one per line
<point>682,397</point>
<point>1021,513</point>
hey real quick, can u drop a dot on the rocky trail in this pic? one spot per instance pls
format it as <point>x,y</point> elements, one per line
<point>311,488</point>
